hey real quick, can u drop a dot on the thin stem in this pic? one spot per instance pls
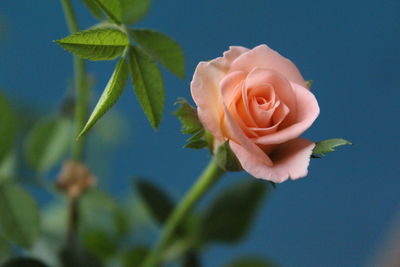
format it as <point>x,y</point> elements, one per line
<point>73,217</point>
<point>80,84</point>
<point>206,180</point>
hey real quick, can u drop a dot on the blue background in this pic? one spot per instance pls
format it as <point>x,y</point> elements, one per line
<point>336,216</point>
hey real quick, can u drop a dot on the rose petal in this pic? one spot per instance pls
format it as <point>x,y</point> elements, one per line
<point>291,159</point>
<point>307,112</point>
<point>232,131</point>
<point>264,57</point>
<point>205,88</point>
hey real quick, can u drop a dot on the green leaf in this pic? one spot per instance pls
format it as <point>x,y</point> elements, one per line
<point>251,261</point>
<point>47,142</point>
<point>8,127</point>
<point>23,262</point>
<point>134,10</point>
<point>229,215</point>
<point>19,215</point>
<point>96,44</point>
<point>148,84</point>
<point>134,256</point>
<point>98,211</point>
<point>226,159</point>
<point>161,48</point>
<point>158,203</point>
<point>323,147</point>
<point>111,94</point>
<point>4,249</point>
<point>187,115</point>
<point>94,8</point>
<point>99,243</point>
<point>112,8</point>
<point>196,144</point>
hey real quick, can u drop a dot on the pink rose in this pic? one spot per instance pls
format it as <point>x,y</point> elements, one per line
<point>259,101</point>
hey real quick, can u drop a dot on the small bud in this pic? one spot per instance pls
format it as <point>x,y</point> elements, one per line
<point>75,178</point>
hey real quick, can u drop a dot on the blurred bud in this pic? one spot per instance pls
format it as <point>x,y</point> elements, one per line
<point>75,178</point>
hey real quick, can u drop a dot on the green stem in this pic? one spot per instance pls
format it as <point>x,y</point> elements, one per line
<point>208,178</point>
<point>80,84</point>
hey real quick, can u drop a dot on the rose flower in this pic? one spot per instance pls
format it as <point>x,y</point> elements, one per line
<point>259,101</point>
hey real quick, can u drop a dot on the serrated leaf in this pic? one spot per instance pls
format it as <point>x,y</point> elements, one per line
<point>196,144</point>
<point>112,8</point>
<point>187,115</point>
<point>96,44</point>
<point>134,10</point>
<point>326,146</point>
<point>148,84</point>
<point>19,215</point>
<point>226,159</point>
<point>111,94</point>
<point>158,203</point>
<point>161,48</point>
<point>251,261</point>
<point>228,217</point>
<point>94,8</point>
<point>8,129</point>
<point>23,262</point>
<point>47,142</point>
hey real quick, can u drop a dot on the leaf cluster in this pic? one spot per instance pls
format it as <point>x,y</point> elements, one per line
<point>140,51</point>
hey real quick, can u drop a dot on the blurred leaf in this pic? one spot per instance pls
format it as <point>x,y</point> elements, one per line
<point>187,115</point>
<point>134,10</point>
<point>23,262</point>
<point>111,94</point>
<point>229,216</point>
<point>112,8</point>
<point>148,84</point>
<point>76,256</point>
<point>323,147</point>
<point>161,48</point>
<point>94,8</point>
<point>191,259</point>
<point>226,159</point>
<point>99,243</point>
<point>47,142</point>
<point>8,167</point>
<point>8,129</point>
<point>250,261</point>
<point>158,203</point>
<point>19,215</point>
<point>4,249</point>
<point>96,44</point>
<point>134,256</point>
<point>196,144</point>
<point>98,211</point>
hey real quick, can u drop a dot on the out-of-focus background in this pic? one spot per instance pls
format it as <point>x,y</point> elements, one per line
<point>341,213</point>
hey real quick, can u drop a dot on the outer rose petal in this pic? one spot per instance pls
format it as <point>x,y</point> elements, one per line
<point>206,91</point>
<point>291,159</point>
<point>307,112</point>
<point>264,57</point>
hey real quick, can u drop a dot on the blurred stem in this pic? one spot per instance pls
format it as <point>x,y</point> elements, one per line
<point>80,84</point>
<point>206,180</point>
<point>73,217</point>
<point>81,109</point>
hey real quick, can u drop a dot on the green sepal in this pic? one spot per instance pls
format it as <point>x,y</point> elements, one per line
<point>329,145</point>
<point>226,159</point>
